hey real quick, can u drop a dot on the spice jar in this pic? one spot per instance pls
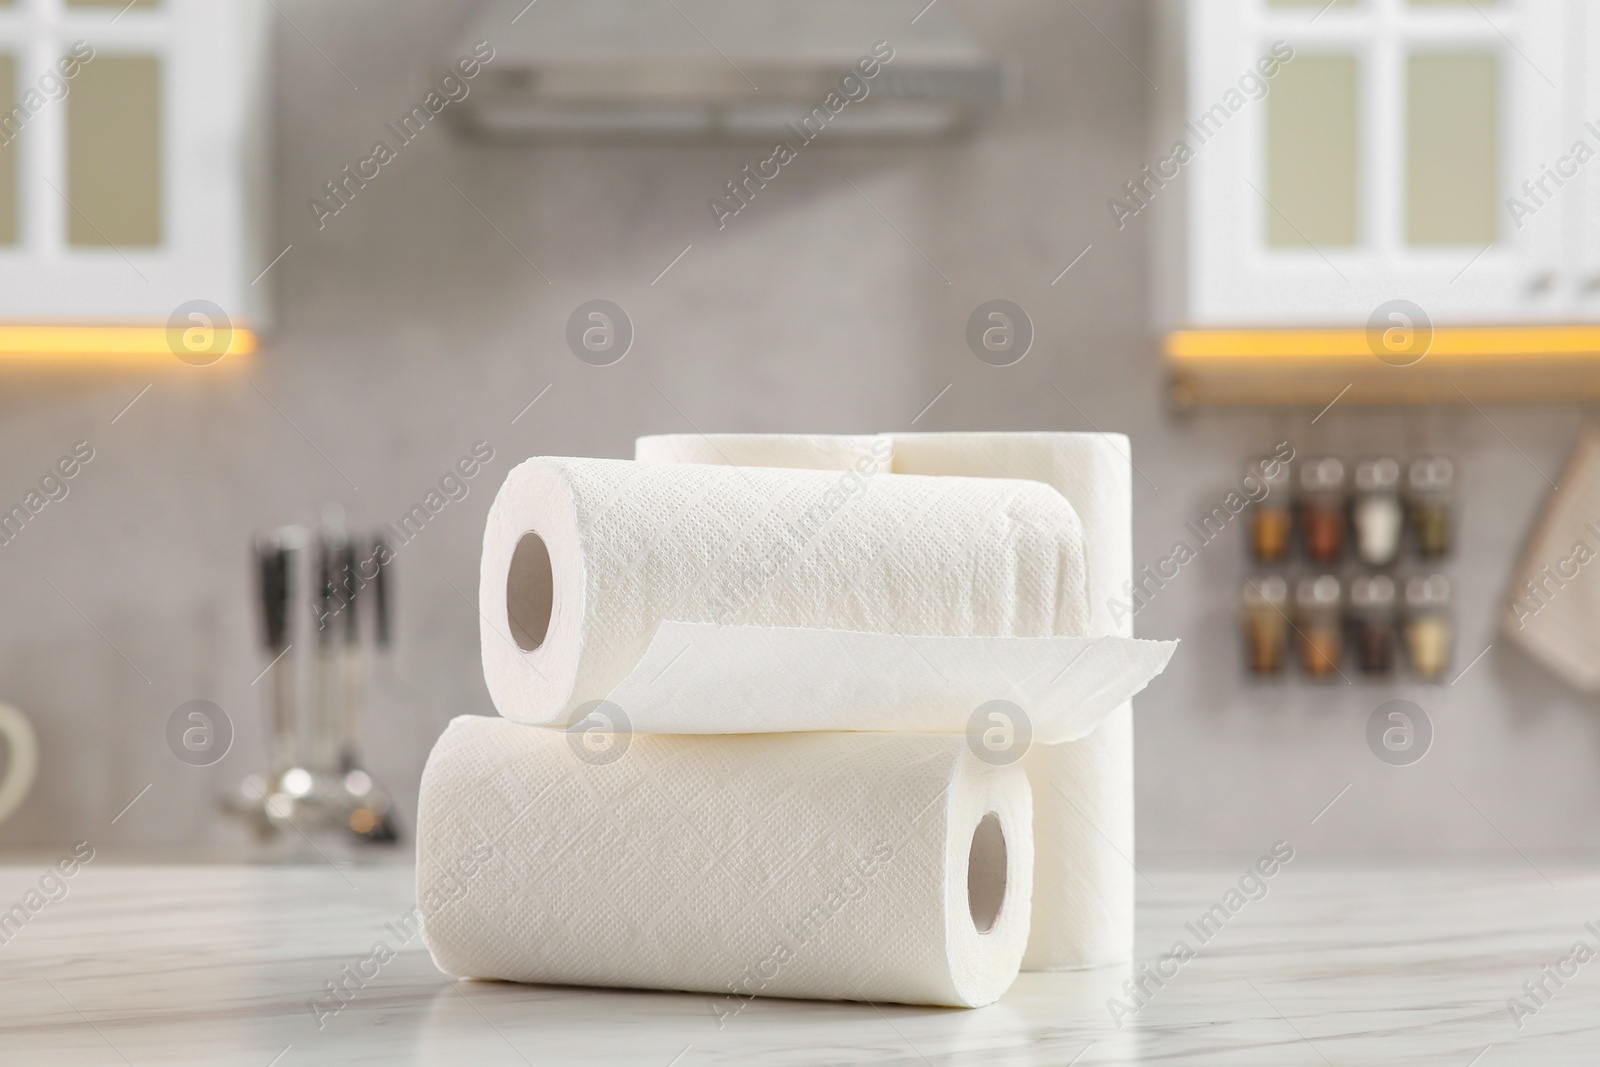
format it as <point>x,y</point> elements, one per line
<point>1372,622</point>
<point>1377,518</point>
<point>1322,509</point>
<point>1321,644</point>
<point>1430,486</point>
<point>1271,518</point>
<point>1266,624</point>
<point>1430,627</point>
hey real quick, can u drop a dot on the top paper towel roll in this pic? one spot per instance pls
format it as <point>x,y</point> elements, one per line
<point>809,451</point>
<point>585,559</point>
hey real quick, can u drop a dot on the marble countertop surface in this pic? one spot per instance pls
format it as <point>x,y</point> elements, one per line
<point>1391,965</point>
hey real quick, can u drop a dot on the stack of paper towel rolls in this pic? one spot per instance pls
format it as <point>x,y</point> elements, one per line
<point>829,630</point>
<point>1083,791</point>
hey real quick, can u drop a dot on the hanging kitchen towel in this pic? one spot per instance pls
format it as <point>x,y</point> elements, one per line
<point>1083,791</point>
<point>605,580</point>
<point>1553,606</point>
<point>879,867</point>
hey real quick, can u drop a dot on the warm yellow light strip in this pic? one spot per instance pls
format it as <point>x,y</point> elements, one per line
<point>1455,343</point>
<point>101,344</point>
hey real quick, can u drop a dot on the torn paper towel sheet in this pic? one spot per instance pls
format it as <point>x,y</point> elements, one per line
<point>880,867</point>
<point>700,678</point>
<point>1553,606</point>
<point>583,559</point>
<point>1083,791</point>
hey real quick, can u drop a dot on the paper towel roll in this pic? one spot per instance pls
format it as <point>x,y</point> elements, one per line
<point>1083,791</point>
<point>584,560</point>
<point>805,451</point>
<point>882,867</point>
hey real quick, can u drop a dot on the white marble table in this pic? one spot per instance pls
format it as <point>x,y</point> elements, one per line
<point>1383,966</point>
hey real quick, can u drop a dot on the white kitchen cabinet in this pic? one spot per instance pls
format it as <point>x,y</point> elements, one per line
<point>1585,127</point>
<point>134,185</point>
<point>1383,162</point>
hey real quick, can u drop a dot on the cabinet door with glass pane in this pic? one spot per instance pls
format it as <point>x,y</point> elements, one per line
<point>130,137</point>
<point>1382,161</point>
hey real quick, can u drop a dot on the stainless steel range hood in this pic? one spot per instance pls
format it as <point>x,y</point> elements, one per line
<point>735,69</point>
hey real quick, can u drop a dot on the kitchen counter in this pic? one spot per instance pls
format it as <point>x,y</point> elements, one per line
<point>220,964</point>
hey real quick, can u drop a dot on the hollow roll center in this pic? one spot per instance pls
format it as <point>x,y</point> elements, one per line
<point>530,592</point>
<point>986,873</point>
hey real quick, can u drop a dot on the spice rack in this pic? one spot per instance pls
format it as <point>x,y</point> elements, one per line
<point>1349,556</point>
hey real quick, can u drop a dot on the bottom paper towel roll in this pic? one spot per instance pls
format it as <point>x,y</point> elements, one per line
<point>882,867</point>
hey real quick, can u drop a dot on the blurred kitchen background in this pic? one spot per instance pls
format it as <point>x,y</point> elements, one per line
<point>429,312</point>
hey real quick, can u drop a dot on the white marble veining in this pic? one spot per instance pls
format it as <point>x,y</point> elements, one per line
<point>217,965</point>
